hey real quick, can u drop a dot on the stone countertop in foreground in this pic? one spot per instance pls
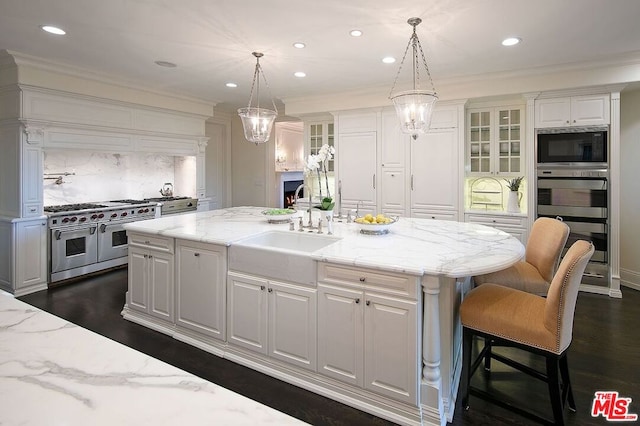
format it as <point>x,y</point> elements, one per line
<point>413,246</point>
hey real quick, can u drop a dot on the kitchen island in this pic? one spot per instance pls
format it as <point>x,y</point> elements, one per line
<point>367,320</point>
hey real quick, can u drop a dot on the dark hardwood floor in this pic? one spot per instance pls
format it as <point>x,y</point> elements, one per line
<point>604,355</point>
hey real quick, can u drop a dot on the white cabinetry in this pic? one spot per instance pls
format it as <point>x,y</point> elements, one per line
<point>495,140</point>
<point>368,330</point>
<point>200,287</point>
<point>589,110</point>
<point>273,318</point>
<point>514,225</point>
<point>393,174</point>
<point>151,263</point>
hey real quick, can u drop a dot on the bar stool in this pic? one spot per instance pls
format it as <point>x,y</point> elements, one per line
<point>529,322</point>
<point>542,254</point>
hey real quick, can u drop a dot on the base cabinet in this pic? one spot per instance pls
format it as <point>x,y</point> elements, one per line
<point>516,226</point>
<point>151,280</point>
<point>368,340</point>
<point>200,288</point>
<point>273,318</point>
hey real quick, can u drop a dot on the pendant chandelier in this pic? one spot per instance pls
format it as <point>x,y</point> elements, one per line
<point>414,107</point>
<point>256,121</point>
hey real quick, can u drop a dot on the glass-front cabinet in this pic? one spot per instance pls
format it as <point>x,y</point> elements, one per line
<point>495,141</point>
<point>320,134</point>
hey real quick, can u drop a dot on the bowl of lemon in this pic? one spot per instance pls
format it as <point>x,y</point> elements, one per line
<point>375,225</point>
<point>279,215</point>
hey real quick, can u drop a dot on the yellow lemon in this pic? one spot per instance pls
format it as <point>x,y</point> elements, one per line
<point>368,217</point>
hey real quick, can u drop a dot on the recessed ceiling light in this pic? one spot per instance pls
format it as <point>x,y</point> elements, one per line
<point>355,33</point>
<point>389,60</point>
<point>299,74</point>
<point>166,64</point>
<point>299,45</point>
<point>53,30</point>
<point>231,84</point>
<point>511,41</point>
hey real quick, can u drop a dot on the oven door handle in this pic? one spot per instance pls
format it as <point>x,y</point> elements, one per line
<point>93,230</point>
<point>57,234</point>
<point>103,228</point>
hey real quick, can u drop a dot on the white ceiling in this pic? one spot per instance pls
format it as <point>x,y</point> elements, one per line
<point>211,40</point>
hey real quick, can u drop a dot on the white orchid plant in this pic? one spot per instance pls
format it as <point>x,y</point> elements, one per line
<point>319,164</point>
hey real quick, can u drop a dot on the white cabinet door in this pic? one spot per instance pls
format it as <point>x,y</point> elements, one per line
<point>31,254</point>
<point>590,110</point>
<point>393,144</point>
<point>356,158</point>
<point>292,324</point>
<point>434,181</point>
<point>392,191</point>
<point>201,289</point>
<point>160,277</point>
<point>247,312</point>
<point>390,343</point>
<point>555,112</point>
<point>340,334</point>
<point>138,282</point>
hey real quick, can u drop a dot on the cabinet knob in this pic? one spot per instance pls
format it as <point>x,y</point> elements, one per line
<point>146,256</point>
<point>363,279</point>
<point>433,217</point>
<point>358,300</point>
<point>196,254</point>
<point>270,290</point>
<point>262,287</point>
<point>368,302</point>
<point>567,121</point>
<point>147,242</point>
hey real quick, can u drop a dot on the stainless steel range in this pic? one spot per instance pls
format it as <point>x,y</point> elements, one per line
<point>89,237</point>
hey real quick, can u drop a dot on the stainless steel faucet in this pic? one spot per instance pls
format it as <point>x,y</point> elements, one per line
<point>358,207</point>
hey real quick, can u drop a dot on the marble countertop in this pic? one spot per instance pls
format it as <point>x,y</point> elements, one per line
<point>413,246</point>
<point>54,372</point>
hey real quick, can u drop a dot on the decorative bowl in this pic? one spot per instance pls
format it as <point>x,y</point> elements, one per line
<point>279,215</point>
<point>374,228</point>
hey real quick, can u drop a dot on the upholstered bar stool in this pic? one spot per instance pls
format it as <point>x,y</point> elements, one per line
<point>533,274</point>
<point>539,325</point>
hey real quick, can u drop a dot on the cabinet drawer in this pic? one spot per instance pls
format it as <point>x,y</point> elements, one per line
<point>437,215</point>
<point>396,284</point>
<point>515,221</point>
<point>151,242</point>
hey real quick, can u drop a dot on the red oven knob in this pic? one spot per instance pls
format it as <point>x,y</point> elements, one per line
<point>83,219</point>
<point>146,210</point>
<point>123,214</point>
<point>140,211</point>
<point>94,216</point>
<point>65,220</point>
<point>114,215</point>
<point>73,219</point>
<point>101,215</point>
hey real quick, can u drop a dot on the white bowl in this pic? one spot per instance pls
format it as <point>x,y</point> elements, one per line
<point>279,215</point>
<point>375,228</point>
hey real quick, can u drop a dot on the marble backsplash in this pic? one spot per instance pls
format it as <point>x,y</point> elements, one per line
<point>100,176</point>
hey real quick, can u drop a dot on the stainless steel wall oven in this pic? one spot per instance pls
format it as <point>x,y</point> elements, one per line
<point>580,198</point>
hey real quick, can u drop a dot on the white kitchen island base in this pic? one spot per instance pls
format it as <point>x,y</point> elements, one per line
<point>377,330</point>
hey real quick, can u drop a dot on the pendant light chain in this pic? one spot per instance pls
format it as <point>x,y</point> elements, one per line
<point>413,42</point>
<point>256,83</point>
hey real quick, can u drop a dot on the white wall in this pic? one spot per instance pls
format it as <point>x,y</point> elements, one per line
<point>248,168</point>
<point>630,188</point>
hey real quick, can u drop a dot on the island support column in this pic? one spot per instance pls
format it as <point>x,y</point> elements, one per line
<point>431,385</point>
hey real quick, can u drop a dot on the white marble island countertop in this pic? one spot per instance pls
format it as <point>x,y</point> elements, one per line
<point>413,246</point>
<point>53,372</point>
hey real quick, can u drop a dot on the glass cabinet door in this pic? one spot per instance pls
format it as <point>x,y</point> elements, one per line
<point>509,141</point>
<point>480,141</point>
<point>320,134</point>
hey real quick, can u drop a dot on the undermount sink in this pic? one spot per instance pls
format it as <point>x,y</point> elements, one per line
<point>279,255</point>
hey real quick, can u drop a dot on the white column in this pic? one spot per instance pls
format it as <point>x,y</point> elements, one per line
<point>614,197</point>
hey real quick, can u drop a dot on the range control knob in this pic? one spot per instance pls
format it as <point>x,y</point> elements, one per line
<point>140,211</point>
<point>123,214</point>
<point>83,219</point>
<point>73,219</point>
<point>65,220</point>
<point>146,210</point>
<point>114,215</point>
<point>94,216</point>
<point>101,215</point>
<point>190,204</point>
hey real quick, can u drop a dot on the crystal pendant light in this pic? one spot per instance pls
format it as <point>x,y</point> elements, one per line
<point>414,107</point>
<point>257,122</point>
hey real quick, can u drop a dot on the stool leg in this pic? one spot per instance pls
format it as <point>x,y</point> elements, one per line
<point>554,389</point>
<point>566,383</point>
<point>487,356</point>
<point>467,338</point>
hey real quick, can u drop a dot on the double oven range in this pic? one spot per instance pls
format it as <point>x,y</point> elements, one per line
<point>573,185</point>
<point>90,237</point>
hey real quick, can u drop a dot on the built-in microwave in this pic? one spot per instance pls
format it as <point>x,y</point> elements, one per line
<point>572,148</point>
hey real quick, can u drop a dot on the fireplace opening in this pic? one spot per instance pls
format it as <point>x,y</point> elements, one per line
<point>289,192</point>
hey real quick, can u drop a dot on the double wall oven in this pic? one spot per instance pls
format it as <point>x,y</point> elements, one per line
<point>573,185</point>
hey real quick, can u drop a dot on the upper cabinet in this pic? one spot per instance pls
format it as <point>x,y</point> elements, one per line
<point>591,110</point>
<point>495,140</point>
